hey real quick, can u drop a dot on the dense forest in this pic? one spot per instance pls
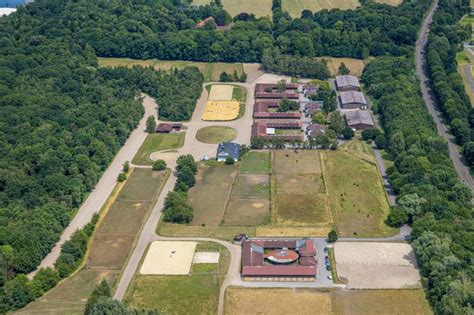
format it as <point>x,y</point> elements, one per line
<point>429,194</point>
<point>444,42</point>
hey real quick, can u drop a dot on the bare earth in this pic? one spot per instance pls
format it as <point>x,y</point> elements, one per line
<point>376,265</point>
<point>168,258</point>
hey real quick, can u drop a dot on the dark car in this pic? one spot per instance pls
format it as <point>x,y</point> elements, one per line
<point>326,250</point>
<point>328,268</point>
<point>326,258</point>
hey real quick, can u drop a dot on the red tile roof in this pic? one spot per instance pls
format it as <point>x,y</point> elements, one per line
<point>290,92</point>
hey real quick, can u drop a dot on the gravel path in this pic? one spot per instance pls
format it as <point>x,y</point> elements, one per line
<point>461,168</point>
<point>104,187</point>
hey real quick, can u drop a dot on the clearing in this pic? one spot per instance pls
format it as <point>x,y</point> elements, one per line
<point>356,66</point>
<point>295,7</point>
<point>199,290</point>
<point>216,134</point>
<point>158,142</point>
<point>168,258</point>
<point>234,7</point>
<point>356,195</point>
<point>376,265</point>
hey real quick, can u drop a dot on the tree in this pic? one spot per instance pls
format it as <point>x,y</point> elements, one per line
<point>229,160</point>
<point>150,124</point>
<point>468,151</point>
<point>381,141</point>
<point>332,236</point>
<point>224,77</point>
<point>342,69</point>
<point>281,86</point>
<point>411,205</point>
<point>243,77</point>
<point>348,133</point>
<point>257,143</point>
<point>186,176</point>
<point>186,161</point>
<point>126,167</point>
<point>235,76</point>
<point>177,209</point>
<point>17,293</point>
<point>159,165</point>
<point>319,118</point>
<point>102,290</point>
<point>121,177</point>
<point>44,279</point>
<point>286,105</point>
<point>336,122</point>
<point>396,217</point>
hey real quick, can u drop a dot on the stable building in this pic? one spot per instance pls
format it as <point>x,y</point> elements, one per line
<point>347,83</point>
<point>270,91</point>
<point>352,100</point>
<point>228,149</point>
<point>359,119</point>
<point>168,127</point>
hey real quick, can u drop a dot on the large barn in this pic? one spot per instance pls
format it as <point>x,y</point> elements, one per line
<point>347,83</point>
<point>352,100</point>
<point>279,259</point>
<point>359,119</point>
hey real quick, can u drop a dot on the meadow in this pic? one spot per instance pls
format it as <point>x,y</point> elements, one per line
<point>158,142</point>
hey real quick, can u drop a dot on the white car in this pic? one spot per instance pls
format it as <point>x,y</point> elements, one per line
<point>330,277</point>
<point>205,158</point>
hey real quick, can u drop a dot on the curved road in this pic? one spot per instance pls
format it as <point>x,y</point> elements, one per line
<point>435,112</point>
<point>104,187</point>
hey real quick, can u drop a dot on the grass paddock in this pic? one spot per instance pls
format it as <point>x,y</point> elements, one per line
<point>216,134</point>
<point>157,142</point>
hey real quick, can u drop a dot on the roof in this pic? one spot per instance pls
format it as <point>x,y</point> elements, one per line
<point>163,127</point>
<point>226,149</point>
<point>279,271</point>
<point>347,80</point>
<point>259,129</point>
<point>291,91</point>
<point>203,22</point>
<point>358,117</point>
<point>352,97</point>
<point>260,110</point>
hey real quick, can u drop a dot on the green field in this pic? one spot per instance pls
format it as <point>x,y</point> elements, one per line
<point>240,94</point>
<point>110,245</point>
<point>255,162</point>
<point>210,71</point>
<point>196,293</point>
<point>157,142</point>
<point>234,7</point>
<point>216,134</point>
<point>357,197</point>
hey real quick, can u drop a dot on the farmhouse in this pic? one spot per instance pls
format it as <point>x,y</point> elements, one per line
<point>359,119</point>
<point>352,100</point>
<point>310,89</point>
<point>347,83</point>
<point>279,259</point>
<point>261,110</point>
<point>269,91</point>
<point>267,130</point>
<point>228,149</point>
<point>312,107</point>
<point>313,129</point>
<point>168,128</point>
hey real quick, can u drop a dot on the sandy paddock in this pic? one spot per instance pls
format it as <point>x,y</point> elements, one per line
<point>206,258</point>
<point>220,92</point>
<point>376,265</point>
<point>221,110</point>
<point>168,258</point>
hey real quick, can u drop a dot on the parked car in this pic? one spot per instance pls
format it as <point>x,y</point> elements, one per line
<point>328,268</point>
<point>326,258</point>
<point>326,250</point>
<point>330,277</point>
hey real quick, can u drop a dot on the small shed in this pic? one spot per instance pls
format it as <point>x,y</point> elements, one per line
<point>228,149</point>
<point>168,128</point>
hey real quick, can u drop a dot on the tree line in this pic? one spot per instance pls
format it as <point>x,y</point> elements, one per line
<point>444,42</point>
<point>429,194</point>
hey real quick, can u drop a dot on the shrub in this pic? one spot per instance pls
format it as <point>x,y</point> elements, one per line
<point>397,217</point>
<point>121,177</point>
<point>332,236</point>
<point>159,165</point>
<point>126,167</point>
<point>229,160</point>
<point>348,133</point>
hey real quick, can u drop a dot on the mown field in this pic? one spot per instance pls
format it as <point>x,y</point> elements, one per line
<point>210,71</point>
<point>250,301</point>
<point>157,142</point>
<point>216,134</point>
<point>197,293</point>
<point>111,244</point>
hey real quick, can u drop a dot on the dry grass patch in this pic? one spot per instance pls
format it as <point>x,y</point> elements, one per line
<point>124,219</point>
<point>247,301</point>
<point>229,68</point>
<point>390,2</point>
<point>356,66</point>
<point>251,186</point>
<point>356,195</point>
<point>255,162</point>
<point>301,210</point>
<point>302,162</point>
<point>299,184</point>
<point>226,233</point>
<point>284,231</point>
<point>210,194</point>
<point>246,212</point>
<point>234,7</point>
<point>142,185</point>
<point>376,302</point>
<point>109,251</point>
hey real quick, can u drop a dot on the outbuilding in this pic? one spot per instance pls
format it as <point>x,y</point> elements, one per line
<point>359,119</point>
<point>347,83</point>
<point>352,100</point>
<point>228,149</point>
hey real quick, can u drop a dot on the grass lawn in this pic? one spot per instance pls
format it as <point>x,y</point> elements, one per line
<point>226,233</point>
<point>157,142</point>
<point>295,7</point>
<point>356,195</point>
<point>240,94</point>
<point>229,68</point>
<point>197,293</point>
<point>234,7</point>
<point>255,162</point>
<point>210,194</point>
<point>216,134</point>
<point>387,302</point>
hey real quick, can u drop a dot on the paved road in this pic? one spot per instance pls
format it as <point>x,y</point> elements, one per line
<point>104,187</point>
<point>461,168</point>
<point>468,73</point>
<point>383,173</point>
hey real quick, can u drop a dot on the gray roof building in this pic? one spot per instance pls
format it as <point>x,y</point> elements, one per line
<point>359,119</point>
<point>226,149</point>
<point>347,82</point>
<point>352,99</point>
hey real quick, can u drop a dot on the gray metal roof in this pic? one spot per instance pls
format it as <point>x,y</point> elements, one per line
<point>353,97</point>
<point>347,80</point>
<point>359,117</point>
<point>226,149</point>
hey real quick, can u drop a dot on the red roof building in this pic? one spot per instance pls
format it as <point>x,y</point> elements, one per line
<point>287,258</point>
<point>269,91</point>
<point>261,111</point>
<point>262,129</point>
<point>167,128</point>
